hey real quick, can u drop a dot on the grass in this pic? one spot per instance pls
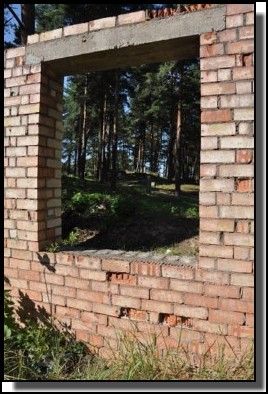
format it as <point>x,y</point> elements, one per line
<point>130,219</point>
<point>134,359</point>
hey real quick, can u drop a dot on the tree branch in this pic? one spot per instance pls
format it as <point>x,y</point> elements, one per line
<point>10,9</point>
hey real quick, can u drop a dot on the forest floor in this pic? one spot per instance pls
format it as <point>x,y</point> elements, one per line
<point>130,219</point>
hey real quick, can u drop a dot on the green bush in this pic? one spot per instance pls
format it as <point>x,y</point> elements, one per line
<point>10,324</point>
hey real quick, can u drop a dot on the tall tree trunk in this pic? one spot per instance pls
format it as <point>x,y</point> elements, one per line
<point>177,144</point>
<point>102,138</point>
<point>28,21</point>
<point>83,137</point>
<point>176,153</point>
<point>115,131</point>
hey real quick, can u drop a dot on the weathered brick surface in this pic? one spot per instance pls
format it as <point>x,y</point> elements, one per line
<point>94,294</point>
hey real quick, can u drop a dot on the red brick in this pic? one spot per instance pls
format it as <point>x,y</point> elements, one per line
<point>250,320</point>
<point>209,102</point>
<point>11,272</point>
<point>209,143</point>
<point>234,21</point>
<point>241,331</point>
<point>32,39</point>
<point>223,317</point>
<point>167,295</point>
<point>151,282</point>
<point>244,156</point>
<point>243,73</point>
<point>250,18</point>
<point>208,212</point>
<point>132,17</point>
<point>185,335</point>
<point>152,329</point>
<point>221,115</point>
<point>115,265</point>
<point>177,272</point>
<point>186,286</point>
<point>237,305</point>
<point>244,185</point>
<point>93,296</point>
<point>242,280</point>
<point>145,269</point>
<point>69,312</point>
<point>121,278</point>
<point>20,264</point>
<point>234,101</point>
<point>208,38</point>
<point>197,300</point>
<point>242,226</point>
<point>246,32</point>
<point>239,239</point>
<point>34,295</point>
<point>211,89</point>
<point>208,170</point>
<point>211,50</point>
<point>225,74</point>
<point>157,306</point>
<point>214,63</point>
<point>207,198</point>
<point>21,254</point>
<point>93,275</point>
<point>66,271</point>
<point>218,129</point>
<point>209,238</point>
<point>19,283</point>
<point>214,185</point>
<point>81,305</point>
<point>93,263</point>
<point>206,262</point>
<point>64,291</point>
<point>133,292</point>
<point>240,170</point>
<point>15,52</point>
<point>222,291</point>
<point>235,265</point>
<point>103,23</point>
<point>207,326</point>
<point>248,294</point>
<point>29,275</point>
<point>242,46</point>
<point>95,340</point>
<point>110,310</point>
<point>76,29</point>
<point>217,225</point>
<point>241,253</point>
<point>189,311</point>
<point>208,76</point>
<point>124,301</point>
<point>77,283</point>
<point>138,315</point>
<point>237,212</point>
<point>210,276</point>
<point>81,335</point>
<point>239,8</point>
<point>227,35</point>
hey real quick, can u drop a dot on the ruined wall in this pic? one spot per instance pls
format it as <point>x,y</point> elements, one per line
<point>96,294</point>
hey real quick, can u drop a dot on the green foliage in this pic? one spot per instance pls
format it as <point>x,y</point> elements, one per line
<point>10,324</point>
<point>53,248</point>
<point>72,238</point>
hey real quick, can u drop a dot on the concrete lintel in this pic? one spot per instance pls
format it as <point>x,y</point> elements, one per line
<point>152,41</point>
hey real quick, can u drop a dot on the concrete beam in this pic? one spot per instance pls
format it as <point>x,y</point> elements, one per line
<point>153,41</point>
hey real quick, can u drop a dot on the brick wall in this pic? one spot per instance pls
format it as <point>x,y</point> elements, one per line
<point>96,295</point>
<point>33,134</point>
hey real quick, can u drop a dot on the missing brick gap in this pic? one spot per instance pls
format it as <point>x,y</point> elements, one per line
<point>124,312</point>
